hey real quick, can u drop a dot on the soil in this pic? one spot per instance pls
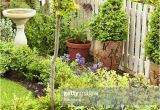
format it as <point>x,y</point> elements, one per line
<point>36,88</point>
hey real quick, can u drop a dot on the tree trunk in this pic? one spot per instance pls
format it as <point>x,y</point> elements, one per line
<point>56,48</point>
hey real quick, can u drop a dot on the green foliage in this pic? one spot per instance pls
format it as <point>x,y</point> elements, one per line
<point>28,64</point>
<point>40,33</point>
<point>153,2</point>
<point>87,80</point>
<point>16,58</point>
<point>6,31</point>
<point>80,30</point>
<point>40,69</point>
<point>110,23</point>
<point>18,4</point>
<point>26,103</point>
<point>149,2</point>
<point>65,33</point>
<point>66,7</point>
<point>152,43</point>
<point>33,4</point>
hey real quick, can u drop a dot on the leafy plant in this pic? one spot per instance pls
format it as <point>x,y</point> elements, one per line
<point>18,4</point>
<point>150,2</point>
<point>6,31</point>
<point>40,69</point>
<point>16,58</point>
<point>110,23</point>
<point>40,33</point>
<point>33,4</point>
<point>152,42</point>
<point>79,31</point>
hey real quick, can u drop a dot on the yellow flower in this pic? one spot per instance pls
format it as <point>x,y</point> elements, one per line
<point>75,6</point>
<point>58,13</point>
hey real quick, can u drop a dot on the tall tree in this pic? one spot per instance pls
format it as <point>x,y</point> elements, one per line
<point>61,9</point>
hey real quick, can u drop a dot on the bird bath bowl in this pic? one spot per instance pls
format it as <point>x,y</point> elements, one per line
<point>19,16</point>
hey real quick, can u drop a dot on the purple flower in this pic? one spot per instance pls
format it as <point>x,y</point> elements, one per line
<point>99,64</point>
<point>106,68</point>
<point>78,56</point>
<point>94,67</point>
<point>81,61</point>
<point>63,58</point>
<point>67,55</point>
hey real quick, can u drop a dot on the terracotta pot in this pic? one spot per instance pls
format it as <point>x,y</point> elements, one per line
<point>82,49</point>
<point>109,53</point>
<point>154,74</point>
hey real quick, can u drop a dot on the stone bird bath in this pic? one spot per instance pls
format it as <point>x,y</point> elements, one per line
<point>19,16</point>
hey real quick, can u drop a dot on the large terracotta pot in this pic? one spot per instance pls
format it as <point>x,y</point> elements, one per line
<point>154,74</point>
<point>109,53</point>
<point>82,49</point>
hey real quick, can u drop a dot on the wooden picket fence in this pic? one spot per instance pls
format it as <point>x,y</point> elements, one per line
<point>134,59</point>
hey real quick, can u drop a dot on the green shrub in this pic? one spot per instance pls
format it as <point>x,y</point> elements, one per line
<point>153,2</point>
<point>16,58</point>
<point>6,31</point>
<point>110,23</point>
<point>149,2</point>
<point>33,4</point>
<point>28,64</point>
<point>41,69</point>
<point>18,4</point>
<point>152,42</point>
<point>40,33</point>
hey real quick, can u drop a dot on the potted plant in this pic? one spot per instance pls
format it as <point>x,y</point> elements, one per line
<point>78,42</point>
<point>152,47</point>
<point>108,30</point>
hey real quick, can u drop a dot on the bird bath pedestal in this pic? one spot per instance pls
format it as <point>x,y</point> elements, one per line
<point>19,16</point>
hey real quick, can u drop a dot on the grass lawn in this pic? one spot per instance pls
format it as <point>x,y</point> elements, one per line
<point>9,89</point>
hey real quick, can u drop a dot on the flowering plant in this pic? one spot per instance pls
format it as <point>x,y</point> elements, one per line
<point>98,66</point>
<point>79,59</point>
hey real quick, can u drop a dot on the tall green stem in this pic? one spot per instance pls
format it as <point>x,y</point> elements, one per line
<point>53,64</point>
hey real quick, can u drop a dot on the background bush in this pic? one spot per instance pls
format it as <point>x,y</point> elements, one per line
<point>152,43</point>
<point>149,2</point>
<point>110,23</point>
<point>16,58</point>
<point>18,4</point>
<point>6,31</point>
<point>27,64</point>
<point>40,33</point>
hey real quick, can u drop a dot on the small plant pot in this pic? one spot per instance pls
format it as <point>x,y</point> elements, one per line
<point>109,53</point>
<point>154,74</point>
<point>82,49</point>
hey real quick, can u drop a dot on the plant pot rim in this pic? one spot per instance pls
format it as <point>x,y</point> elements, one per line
<point>82,46</point>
